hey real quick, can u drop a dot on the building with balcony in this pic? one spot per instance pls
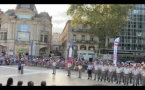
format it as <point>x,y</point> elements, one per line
<point>25,31</point>
<point>84,46</point>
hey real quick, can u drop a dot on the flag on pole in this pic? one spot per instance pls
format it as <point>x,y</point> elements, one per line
<point>31,49</point>
<point>116,43</point>
<point>70,52</point>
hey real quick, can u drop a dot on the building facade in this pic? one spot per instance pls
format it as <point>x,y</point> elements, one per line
<point>84,46</point>
<point>132,38</point>
<point>25,31</point>
<point>56,45</point>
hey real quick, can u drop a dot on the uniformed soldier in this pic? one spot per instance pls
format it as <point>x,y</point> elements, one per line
<point>89,69</point>
<point>139,75</point>
<point>114,72</point>
<point>103,69</point>
<point>118,74</point>
<point>80,70</point>
<point>143,76</point>
<point>96,68</point>
<point>122,69</point>
<point>54,67</point>
<point>69,69</point>
<point>126,75</point>
<point>130,73</point>
<point>110,73</point>
<point>106,72</point>
<point>99,71</point>
<point>135,73</point>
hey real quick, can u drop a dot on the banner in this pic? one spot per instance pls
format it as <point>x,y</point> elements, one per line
<point>22,49</point>
<point>116,43</point>
<point>70,52</point>
<point>31,49</point>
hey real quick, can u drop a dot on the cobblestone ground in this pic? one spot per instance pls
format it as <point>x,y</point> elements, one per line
<point>38,74</point>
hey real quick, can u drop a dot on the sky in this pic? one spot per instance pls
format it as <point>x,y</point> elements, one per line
<point>57,11</point>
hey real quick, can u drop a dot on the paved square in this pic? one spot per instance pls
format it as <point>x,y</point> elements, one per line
<point>38,74</point>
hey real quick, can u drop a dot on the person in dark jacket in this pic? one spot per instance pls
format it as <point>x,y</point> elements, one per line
<point>19,67</point>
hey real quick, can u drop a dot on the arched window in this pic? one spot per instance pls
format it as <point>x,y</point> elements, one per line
<point>82,47</point>
<point>75,47</point>
<point>91,48</point>
<point>24,28</point>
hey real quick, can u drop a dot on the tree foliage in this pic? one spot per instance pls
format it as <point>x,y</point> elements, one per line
<point>105,20</point>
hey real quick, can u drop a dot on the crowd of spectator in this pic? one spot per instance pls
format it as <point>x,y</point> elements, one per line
<point>20,83</point>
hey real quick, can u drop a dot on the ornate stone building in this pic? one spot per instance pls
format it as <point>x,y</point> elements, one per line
<point>85,46</point>
<point>25,31</point>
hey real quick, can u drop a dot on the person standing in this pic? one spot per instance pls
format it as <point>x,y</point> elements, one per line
<point>80,70</point>
<point>110,73</point>
<point>89,69</point>
<point>22,65</point>
<point>54,67</point>
<point>135,73</point>
<point>143,76</point>
<point>103,72</point>
<point>69,69</point>
<point>19,67</point>
<point>96,67</point>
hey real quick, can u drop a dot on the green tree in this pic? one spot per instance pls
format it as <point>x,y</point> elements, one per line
<point>104,20</point>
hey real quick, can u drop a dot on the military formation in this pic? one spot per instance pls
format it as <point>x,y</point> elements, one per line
<point>123,73</point>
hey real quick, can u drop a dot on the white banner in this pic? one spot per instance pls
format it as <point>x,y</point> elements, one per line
<point>116,43</point>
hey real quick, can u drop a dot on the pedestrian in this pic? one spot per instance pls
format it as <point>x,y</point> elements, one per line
<point>69,68</point>
<point>89,70</point>
<point>80,70</point>
<point>19,67</point>
<point>54,67</point>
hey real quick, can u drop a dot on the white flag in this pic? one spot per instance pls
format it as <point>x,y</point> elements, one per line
<point>116,43</point>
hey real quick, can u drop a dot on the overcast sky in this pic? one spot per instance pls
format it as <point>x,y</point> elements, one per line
<point>57,11</point>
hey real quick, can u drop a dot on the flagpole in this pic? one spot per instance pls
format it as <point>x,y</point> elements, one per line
<point>31,49</point>
<point>116,43</point>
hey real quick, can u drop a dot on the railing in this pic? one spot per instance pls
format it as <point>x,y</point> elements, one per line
<point>80,30</point>
<point>3,29</point>
<point>85,41</point>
